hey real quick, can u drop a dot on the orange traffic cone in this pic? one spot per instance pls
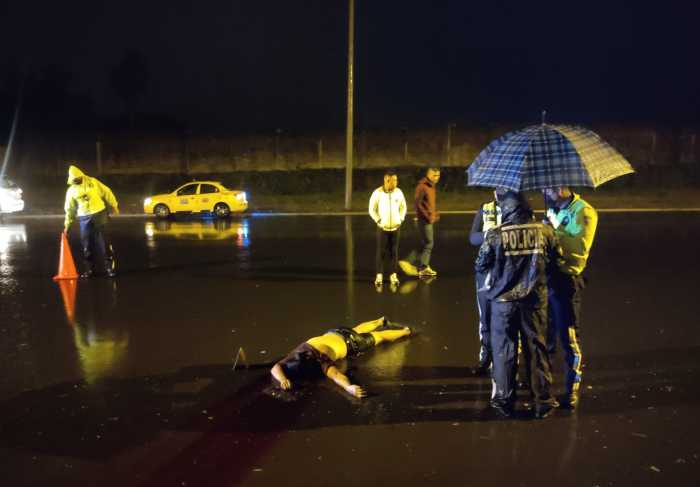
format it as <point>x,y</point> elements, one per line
<point>69,288</point>
<point>66,264</point>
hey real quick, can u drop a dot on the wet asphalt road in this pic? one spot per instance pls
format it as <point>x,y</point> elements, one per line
<point>131,382</point>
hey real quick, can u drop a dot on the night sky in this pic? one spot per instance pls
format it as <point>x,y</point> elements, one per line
<point>249,65</point>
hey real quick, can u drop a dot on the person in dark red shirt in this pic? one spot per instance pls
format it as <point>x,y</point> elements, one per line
<point>418,261</point>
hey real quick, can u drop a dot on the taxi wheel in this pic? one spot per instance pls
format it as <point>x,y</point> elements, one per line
<point>161,211</point>
<point>221,210</point>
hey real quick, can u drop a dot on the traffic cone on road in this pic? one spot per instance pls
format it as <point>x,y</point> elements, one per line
<point>66,264</point>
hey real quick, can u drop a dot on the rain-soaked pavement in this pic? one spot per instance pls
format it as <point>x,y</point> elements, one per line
<point>131,381</point>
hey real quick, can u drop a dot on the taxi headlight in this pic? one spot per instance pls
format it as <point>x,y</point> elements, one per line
<point>147,201</point>
<point>241,196</point>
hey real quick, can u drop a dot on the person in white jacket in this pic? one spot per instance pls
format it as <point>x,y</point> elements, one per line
<point>387,207</point>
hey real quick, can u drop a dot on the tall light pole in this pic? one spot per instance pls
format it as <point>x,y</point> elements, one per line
<point>349,123</point>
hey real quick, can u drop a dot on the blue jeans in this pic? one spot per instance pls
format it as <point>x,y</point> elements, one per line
<point>421,256</point>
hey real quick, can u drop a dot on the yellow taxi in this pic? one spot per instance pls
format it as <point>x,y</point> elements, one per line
<point>197,196</point>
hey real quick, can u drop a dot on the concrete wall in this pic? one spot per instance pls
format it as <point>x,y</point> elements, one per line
<point>38,154</point>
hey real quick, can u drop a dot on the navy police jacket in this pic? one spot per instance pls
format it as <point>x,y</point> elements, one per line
<point>515,256</point>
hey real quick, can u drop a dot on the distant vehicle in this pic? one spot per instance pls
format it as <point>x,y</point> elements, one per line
<point>197,197</point>
<point>10,197</point>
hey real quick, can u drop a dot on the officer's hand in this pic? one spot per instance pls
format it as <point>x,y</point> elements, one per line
<point>552,217</point>
<point>285,384</point>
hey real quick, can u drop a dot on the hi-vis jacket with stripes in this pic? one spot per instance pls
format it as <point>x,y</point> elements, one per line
<point>575,232</point>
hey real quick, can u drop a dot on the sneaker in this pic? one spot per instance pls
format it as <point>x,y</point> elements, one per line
<point>408,268</point>
<point>379,279</point>
<point>87,274</point>
<point>394,279</point>
<point>427,272</point>
<point>111,273</point>
<point>544,410</point>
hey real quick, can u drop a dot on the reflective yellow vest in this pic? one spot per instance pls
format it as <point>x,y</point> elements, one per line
<point>578,222</point>
<point>491,216</point>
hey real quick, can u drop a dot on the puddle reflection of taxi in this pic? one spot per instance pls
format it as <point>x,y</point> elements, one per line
<point>199,230</point>
<point>197,197</point>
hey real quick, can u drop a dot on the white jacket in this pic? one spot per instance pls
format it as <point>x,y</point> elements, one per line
<point>387,209</point>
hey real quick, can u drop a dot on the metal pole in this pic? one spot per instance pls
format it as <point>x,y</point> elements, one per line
<point>98,150</point>
<point>349,123</point>
<point>448,145</point>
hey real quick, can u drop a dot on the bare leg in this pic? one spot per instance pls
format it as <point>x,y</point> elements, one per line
<point>369,326</point>
<point>389,335</point>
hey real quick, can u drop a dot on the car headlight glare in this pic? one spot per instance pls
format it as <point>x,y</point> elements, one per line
<point>147,201</point>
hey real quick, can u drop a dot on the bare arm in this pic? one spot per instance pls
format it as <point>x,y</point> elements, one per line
<point>341,379</point>
<point>278,373</point>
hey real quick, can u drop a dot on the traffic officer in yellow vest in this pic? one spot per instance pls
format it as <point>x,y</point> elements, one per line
<point>574,222</point>
<point>92,202</point>
<point>487,218</point>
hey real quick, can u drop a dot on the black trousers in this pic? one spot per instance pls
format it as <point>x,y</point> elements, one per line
<point>387,251</point>
<point>527,317</point>
<point>484,307</point>
<point>98,254</point>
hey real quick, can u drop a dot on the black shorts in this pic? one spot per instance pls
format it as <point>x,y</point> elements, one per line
<point>357,343</point>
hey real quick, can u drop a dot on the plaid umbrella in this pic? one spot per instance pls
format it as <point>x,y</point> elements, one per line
<point>546,156</point>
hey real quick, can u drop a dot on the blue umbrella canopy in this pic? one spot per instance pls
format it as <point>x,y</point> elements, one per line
<point>546,156</point>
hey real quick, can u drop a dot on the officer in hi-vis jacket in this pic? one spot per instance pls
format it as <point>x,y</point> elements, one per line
<point>574,222</point>
<point>487,218</point>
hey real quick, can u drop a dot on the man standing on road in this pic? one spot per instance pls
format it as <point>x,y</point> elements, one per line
<point>574,222</point>
<point>487,218</point>
<point>418,261</point>
<point>515,256</point>
<point>387,207</point>
<point>92,201</point>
